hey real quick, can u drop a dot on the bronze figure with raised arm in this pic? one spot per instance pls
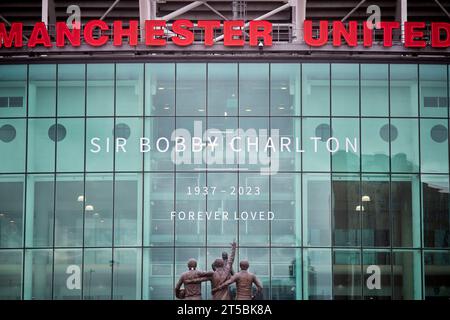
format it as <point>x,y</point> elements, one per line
<point>244,283</point>
<point>191,291</point>
<point>221,274</point>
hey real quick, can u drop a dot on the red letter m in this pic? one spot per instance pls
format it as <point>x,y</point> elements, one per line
<point>15,35</point>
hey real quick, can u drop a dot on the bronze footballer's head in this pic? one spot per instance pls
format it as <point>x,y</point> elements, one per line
<point>244,264</point>
<point>192,264</point>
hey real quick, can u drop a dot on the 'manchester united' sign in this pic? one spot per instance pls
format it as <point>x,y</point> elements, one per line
<point>98,33</point>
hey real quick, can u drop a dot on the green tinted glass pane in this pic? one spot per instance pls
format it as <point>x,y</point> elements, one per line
<point>191,89</point>
<point>69,210</point>
<point>100,89</point>
<point>71,89</point>
<point>374,205</point>
<point>404,90</point>
<point>128,132</point>
<point>405,210</point>
<point>129,89</point>
<point>159,89</point>
<point>67,264</point>
<point>12,145</point>
<point>345,89</point>
<point>434,145</point>
<point>127,274</point>
<point>70,147</point>
<point>316,203</point>
<point>42,135</point>
<point>316,89</point>
<point>97,274</point>
<point>128,209</point>
<point>188,231</point>
<point>437,275</point>
<point>13,90</point>
<point>317,274</point>
<point>345,146</point>
<point>404,145</point>
<point>347,209</point>
<point>287,155</point>
<point>38,279</point>
<point>254,89</point>
<point>42,90</point>
<point>346,275</point>
<point>433,91</point>
<point>157,155</point>
<point>158,266</point>
<point>11,210</point>
<point>374,90</point>
<point>377,261</point>
<point>316,132</point>
<point>435,211</point>
<point>220,231</point>
<point>98,210</point>
<point>158,204</point>
<point>375,145</point>
<point>40,211</point>
<point>285,87</point>
<point>286,206</point>
<point>254,232</point>
<point>100,144</point>
<point>11,268</point>
<point>286,274</point>
<point>222,89</point>
<point>407,275</point>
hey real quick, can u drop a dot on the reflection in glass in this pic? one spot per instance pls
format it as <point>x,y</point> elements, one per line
<point>317,274</point>
<point>377,265</point>
<point>437,275</point>
<point>191,89</point>
<point>407,275</point>
<point>404,90</point>
<point>129,89</point>
<point>316,89</point>
<point>434,145</point>
<point>159,89</point>
<point>405,147</point>
<point>347,275</point>
<point>41,149</point>
<point>316,209</point>
<point>345,146</point>
<point>12,145</point>
<point>436,215</point>
<point>42,90</point>
<point>347,210</point>
<point>285,89</point>
<point>40,211</point>
<point>38,274</point>
<point>222,89</point>
<point>71,90</point>
<point>69,211</point>
<point>67,284</point>
<point>10,274</point>
<point>100,89</point>
<point>13,90</point>
<point>158,278</point>
<point>286,274</point>
<point>70,148</point>
<point>433,91</point>
<point>158,225</point>
<point>374,90</point>
<point>11,211</point>
<point>344,89</point>
<point>254,89</point>
<point>374,147</point>
<point>127,274</point>
<point>98,265</point>
<point>98,210</point>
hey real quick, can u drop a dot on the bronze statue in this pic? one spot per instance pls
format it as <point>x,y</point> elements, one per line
<point>219,276</point>
<point>244,283</point>
<point>191,291</point>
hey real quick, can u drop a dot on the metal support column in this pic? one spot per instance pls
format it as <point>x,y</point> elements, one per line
<point>147,11</point>
<point>401,15</point>
<point>298,17</point>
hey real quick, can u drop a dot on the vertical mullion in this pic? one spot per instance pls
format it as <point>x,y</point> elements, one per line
<point>54,180</point>
<point>113,182</point>
<point>84,180</point>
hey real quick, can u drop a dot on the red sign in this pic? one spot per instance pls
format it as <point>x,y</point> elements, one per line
<point>181,34</point>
